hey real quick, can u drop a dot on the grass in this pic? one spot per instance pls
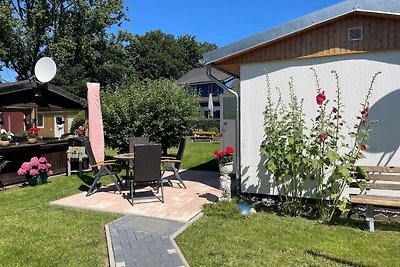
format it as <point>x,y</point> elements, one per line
<point>199,156</point>
<point>225,238</point>
<point>34,233</point>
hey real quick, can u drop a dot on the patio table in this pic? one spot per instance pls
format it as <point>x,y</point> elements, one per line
<point>128,158</point>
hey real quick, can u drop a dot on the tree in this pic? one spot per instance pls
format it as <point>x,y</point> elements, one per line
<point>159,109</point>
<point>72,32</point>
<point>158,55</point>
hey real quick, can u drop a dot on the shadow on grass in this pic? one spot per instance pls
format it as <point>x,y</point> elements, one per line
<point>363,225</point>
<point>333,259</point>
<point>211,165</point>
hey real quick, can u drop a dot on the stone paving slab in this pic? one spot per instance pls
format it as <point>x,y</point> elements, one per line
<point>144,241</point>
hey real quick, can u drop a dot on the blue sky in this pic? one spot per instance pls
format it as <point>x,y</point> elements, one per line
<point>216,21</point>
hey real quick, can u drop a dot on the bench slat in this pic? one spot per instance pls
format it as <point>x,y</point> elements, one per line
<point>376,200</point>
<point>387,169</point>
<point>384,177</point>
<point>383,186</point>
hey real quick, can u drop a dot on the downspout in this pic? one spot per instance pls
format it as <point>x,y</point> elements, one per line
<point>237,134</point>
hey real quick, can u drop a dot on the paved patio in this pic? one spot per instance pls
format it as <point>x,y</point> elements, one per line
<point>180,204</point>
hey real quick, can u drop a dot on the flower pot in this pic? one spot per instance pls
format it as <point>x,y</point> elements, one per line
<point>43,177</point>
<point>35,180</point>
<point>226,168</point>
<point>4,142</point>
<point>32,140</point>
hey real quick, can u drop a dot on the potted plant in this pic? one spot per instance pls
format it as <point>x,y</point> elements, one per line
<point>32,135</point>
<point>225,162</point>
<point>36,171</point>
<point>5,137</point>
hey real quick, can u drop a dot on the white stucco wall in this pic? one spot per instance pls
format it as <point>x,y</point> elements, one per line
<point>355,73</point>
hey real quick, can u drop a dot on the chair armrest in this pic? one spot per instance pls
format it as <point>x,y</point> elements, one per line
<point>103,163</point>
<point>171,160</point>
<point>165,157</point>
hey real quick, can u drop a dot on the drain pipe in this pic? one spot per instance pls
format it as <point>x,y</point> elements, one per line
<point>237,134</point>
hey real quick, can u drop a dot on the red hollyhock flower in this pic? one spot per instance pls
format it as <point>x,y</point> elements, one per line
<point>337,117</point>
<point>334,110</point>
<point>321,98</point>
<point>363,147</point>
<point>323,136</point>
<point>229,150</point>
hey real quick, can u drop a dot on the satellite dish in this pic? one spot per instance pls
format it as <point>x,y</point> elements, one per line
<point>45,69</point>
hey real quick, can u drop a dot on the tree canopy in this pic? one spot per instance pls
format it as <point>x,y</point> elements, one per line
<point>159,109</point>
<point>80,35</point>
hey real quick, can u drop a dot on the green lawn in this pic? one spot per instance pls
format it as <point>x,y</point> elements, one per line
<point>198,156</point>
<point>225,238</point>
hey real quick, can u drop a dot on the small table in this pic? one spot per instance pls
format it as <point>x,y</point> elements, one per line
<point>127,157</point>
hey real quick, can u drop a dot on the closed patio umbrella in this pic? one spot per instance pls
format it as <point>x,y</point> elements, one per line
<point>210,106</point>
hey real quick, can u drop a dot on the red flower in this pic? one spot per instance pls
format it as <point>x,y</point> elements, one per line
<point>363,147</point>
<point>220,154</point>
<point>321,98</point>
<point>334,110</point>
<point>337,117</point>
<point>229,150</point>
<point>323,136</point>
<point>216,151</point>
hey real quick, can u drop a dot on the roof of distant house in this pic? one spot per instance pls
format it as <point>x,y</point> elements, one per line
<point>387,7</point>
<point>199,76</point>
<point>30,94</point>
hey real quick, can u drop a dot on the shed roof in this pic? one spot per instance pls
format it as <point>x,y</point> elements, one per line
<point>389,7</point>
<point>199,76</point>
<point>30,94</point>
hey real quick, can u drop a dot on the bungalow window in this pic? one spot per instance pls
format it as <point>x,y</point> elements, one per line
<point>40,120</point>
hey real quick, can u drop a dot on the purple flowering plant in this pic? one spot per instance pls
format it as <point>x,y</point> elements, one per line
<point>35,167</point>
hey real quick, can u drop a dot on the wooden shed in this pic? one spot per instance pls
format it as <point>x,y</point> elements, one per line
<point>357,38</point>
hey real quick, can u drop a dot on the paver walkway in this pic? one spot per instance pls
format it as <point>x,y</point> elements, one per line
<point>143,241</point>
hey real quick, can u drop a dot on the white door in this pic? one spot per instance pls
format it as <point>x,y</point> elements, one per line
<point>58,126</point>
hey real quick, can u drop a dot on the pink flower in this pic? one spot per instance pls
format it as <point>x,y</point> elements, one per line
<point>363,147</point>
<point>323,136</point>
<point>34,162</point>
<point>48,165</point>
<point>42,160</point>
<point>33,172</point>
<point>26,166</point>
<point>42,167</point>
<point>21,171</point>
<point>320,98</point>
<point>50,173</point>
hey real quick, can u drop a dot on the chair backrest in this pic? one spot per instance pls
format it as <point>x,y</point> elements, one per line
<point>89,153</point>
<point>181,150</point>
<point>147,163</point>
<point>133,141</point>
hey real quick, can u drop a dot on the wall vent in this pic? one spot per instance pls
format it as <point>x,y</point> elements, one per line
<point>355,34</point>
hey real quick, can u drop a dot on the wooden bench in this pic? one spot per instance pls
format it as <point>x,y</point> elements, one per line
<point>203,135</point>
<point>386,179</point>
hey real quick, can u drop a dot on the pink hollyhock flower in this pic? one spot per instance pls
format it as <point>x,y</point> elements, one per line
<point>320,98</point>
<point>48,165</point>
<point>42,167</point>
<point>33,172</point>
<point>34,162</point>
<point>42,160</point>
<point>363,147</point>
<point>323,136</point>
<point>21,171</point>
<point>50,173</point>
